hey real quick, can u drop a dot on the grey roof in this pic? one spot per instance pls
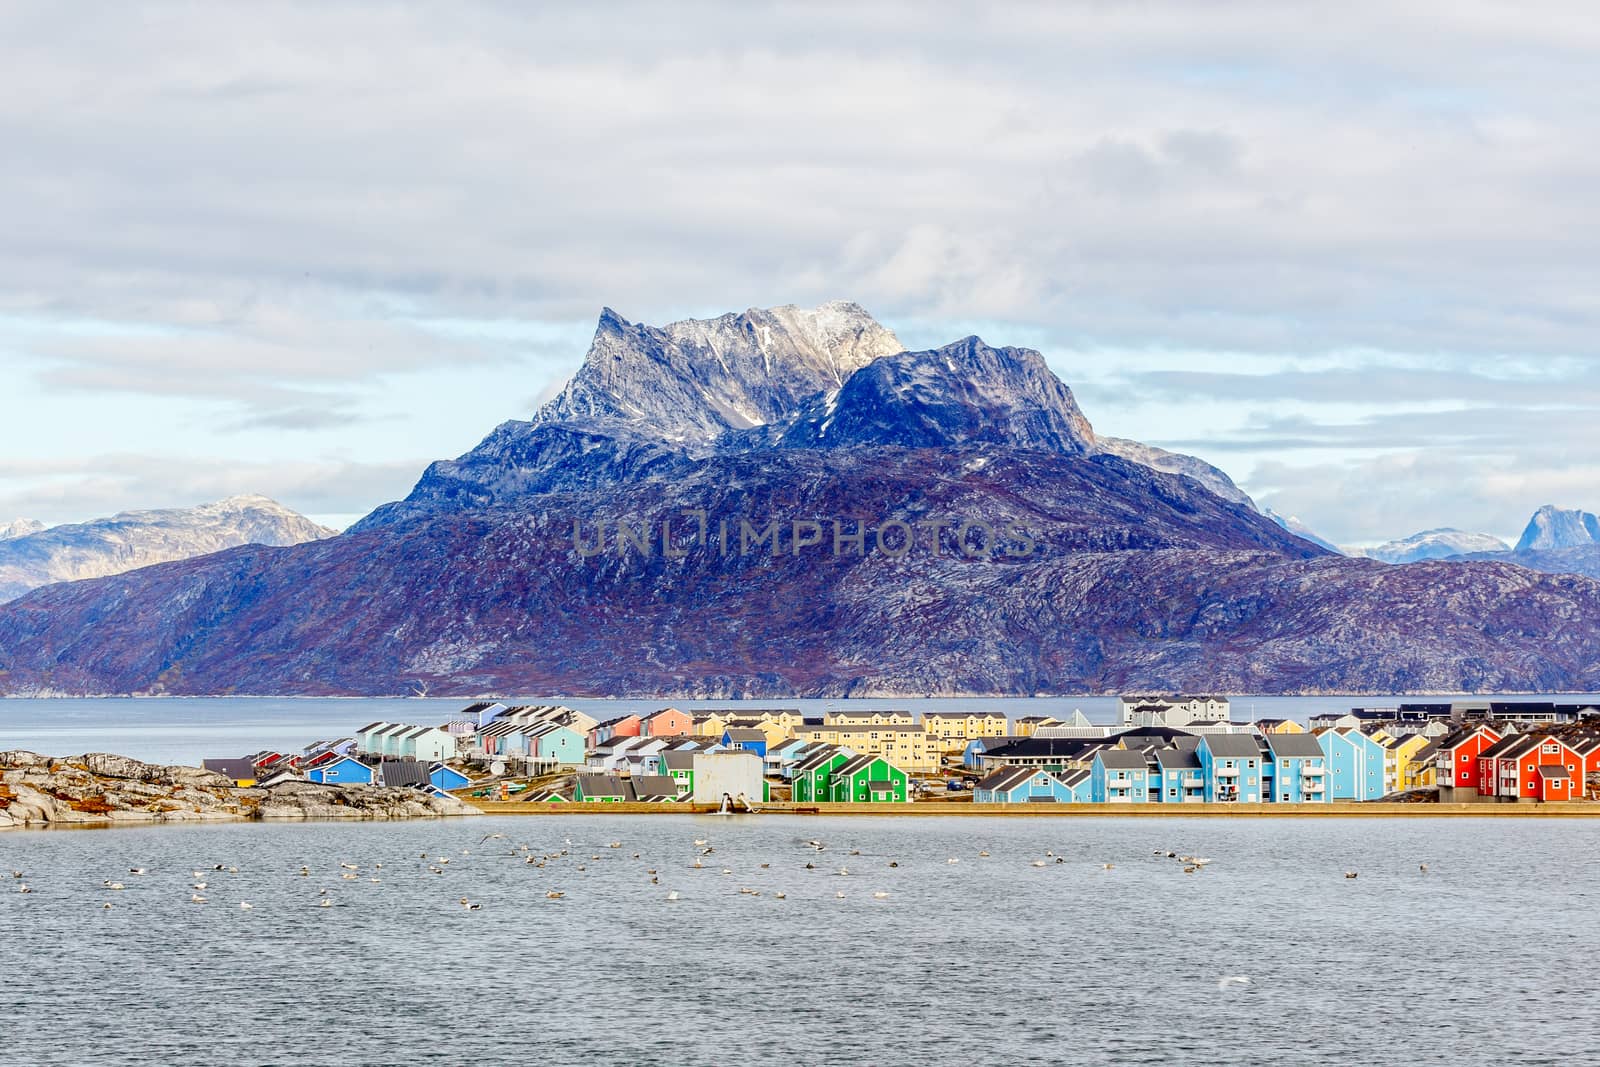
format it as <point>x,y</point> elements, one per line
<point>402,773</point>
<point>880,787</point>
<point>237,769</point>
<point>1122,759</point>
<point>602,785</point>
<point>1073,778</point>
<point>1178,759</point>
<point>1293,746</point>
<point>678,760</point>
<point>1553,770</point>
<point>1235,746</point>
<point>652,785</point>
<point>734,733</point>
<point>1008,778</point>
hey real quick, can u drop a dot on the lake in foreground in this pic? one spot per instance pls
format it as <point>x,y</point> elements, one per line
<point>1488,956</point>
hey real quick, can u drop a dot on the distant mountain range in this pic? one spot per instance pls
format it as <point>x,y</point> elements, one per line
<point>1431,544</point>
<point>785,502</point>
<point>32,555</point>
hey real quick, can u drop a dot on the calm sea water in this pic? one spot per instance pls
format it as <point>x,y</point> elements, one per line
<point>1486,958</point>
<point>188,730</point>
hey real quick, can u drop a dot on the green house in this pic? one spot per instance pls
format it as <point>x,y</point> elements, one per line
<point>813,776</point>
<point>869,779</point>
<point>680,767</point>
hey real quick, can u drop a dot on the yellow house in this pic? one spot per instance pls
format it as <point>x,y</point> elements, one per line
<point>1279,726</point>
<point>863,717</point>
<point>1405,750</point>
<point>776,724</point>
<point>908,746</point>
<point>956,728</point>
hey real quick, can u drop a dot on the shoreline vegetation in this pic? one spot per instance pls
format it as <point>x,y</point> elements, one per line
<point>99,789</point>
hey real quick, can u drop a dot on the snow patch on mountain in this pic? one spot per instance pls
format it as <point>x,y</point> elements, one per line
<point>134,539</point>
<point>1441,543</point>
<point>19,528</point>
<point>1301,530</point>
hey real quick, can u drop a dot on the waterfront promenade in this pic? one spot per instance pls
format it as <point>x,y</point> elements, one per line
<point>1337,809</point>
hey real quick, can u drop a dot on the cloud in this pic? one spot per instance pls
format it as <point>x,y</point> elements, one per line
<point>234,207</point>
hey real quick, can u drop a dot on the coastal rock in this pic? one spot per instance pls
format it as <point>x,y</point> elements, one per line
<point>102,788</point>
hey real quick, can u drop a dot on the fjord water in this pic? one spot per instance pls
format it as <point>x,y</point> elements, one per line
<point>189,729</point>
<point>1486,957</point>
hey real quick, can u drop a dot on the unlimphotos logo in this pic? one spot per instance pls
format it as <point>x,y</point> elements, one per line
<point>728,537</point>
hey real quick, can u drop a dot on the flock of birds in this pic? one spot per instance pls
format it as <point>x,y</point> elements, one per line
<point>570,859</point>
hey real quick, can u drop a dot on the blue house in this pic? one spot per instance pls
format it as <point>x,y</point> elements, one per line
<point>1022,785</point>
<point>342,770</point>
<point>1231,767</point>
<point>1120,776</point>
<point>1354,764</point>
<point>744,740</point>
<point>447,778</point>
<point>1079,785</point>
<point>1298,769</point>
<point>1182,778</point>
<point>550,742</point>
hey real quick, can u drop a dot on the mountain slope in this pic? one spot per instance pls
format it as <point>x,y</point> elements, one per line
<point>19,528</point>
<point>930,522</point>
<point>1431,544</point>
<point>1553,527</point>
<point>136,539</point>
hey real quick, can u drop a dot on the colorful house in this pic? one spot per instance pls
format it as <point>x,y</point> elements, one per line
<point>621,726</point>
<point>1182,778</point>
<point>813,775</point>
<point>1120,776</point>
<point>678,765</point>
<point>868,779</point>
<point>1355,763</point>
<point>1298,769</point>
<point>1455,762</point>
<point>242,771</point>
<point>446,778</point>
<point>553,744</point>
<point>955,728</point>
<point>745,739</point>
<point>1530,767</point>
<point>334,769</point>
<point>1231,766</point>
<point>668,722</point>
<point>1022,785</point>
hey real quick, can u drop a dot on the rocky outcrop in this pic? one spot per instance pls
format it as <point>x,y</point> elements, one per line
<point>104,789</point>
<point>1552,528</point>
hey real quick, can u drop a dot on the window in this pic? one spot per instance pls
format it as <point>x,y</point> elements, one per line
<point>1172,792</point>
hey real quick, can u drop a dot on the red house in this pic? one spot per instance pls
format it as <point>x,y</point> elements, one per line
<point>668,722</point>
<point>1530,767</point>
<point>621,726</point>
<point>1455,762</point>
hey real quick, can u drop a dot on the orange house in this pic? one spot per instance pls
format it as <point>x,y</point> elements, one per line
<point>668,722</point>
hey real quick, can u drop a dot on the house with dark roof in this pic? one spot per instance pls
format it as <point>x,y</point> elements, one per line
<point>745,739</point>
<point>1294,770</point>
<point>1120,776</point>
<point>1231,765</point>
<point>334,769</point>
<point>599,789</point>
<point>1181,778</point>
<point>242,771</point>
<point>1024,785</point>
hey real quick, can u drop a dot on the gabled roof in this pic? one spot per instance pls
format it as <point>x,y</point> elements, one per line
<point>1234,746</point>
<point>734,733</point>
<point>1008,778</point>
<point>1073,779</point>
<point>393,773</point>
<point>1122,759</point>
<point>1177,759</point>
<point>1294,746</point>
<point>602,785</point>
<point>678,760</point>
<point>644,786</point>
<point>1502,747</point>
<point>237,769</point>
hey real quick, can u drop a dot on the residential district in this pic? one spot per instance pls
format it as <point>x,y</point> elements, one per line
<point>1162,750</point>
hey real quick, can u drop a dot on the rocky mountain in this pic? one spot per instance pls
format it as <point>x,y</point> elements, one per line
<point>795,510</point>
<point>1301,530</point>
<point>136,539</point>
<point>1442,543</point>
<point>19,528</point>
<point>1553,527</point>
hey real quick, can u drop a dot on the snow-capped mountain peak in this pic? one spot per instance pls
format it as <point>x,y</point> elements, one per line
<point>1553,527</point>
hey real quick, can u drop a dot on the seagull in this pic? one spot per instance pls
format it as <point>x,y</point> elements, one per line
<point>1107,867</point>
<point>350,866</point>
<point>196,898</point>
<point>880,895</point>
<point>699,841</point>
<point>1199,861</point>
<point>673,895</point>
<point>491,837</point>
<point>952,859</point>
<point>781,896</point>
<point>553,895</point>
<point>135,870</point>
<point>1423,867</point>
<point>199,885</point>
<point>840,894</point>
<point>325,903</point>
<point>1349,874</point>
<point>347,876</point>
<point>245,905</point>
<point>105,906</point>
<point>304,871</point>
<point>25,888</point>
<point>1229,981</point>
<point>16,874</point>
<point>697,864</point>
<point>894,863</point>
<point>615,844</point>
<point>984,854</point>
<point>1038,863</point>
<point>1190,869</point>
<point>113,885</point>
<point>844,872</point>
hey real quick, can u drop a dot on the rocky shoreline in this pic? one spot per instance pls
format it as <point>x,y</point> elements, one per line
<point>100,789</point>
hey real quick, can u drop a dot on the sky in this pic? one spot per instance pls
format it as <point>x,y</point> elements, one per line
<point>1348,253</point>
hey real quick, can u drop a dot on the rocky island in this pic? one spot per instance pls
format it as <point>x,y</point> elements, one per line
<point>103,789</point>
